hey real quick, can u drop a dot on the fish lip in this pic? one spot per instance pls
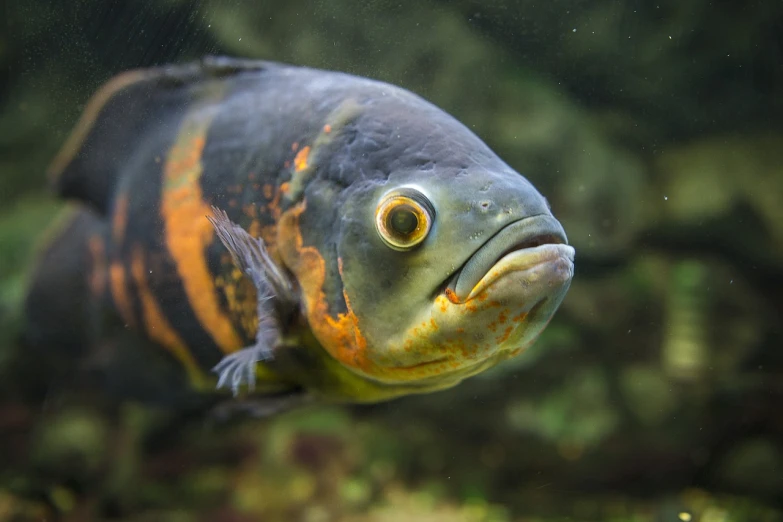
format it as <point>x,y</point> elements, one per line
<point>554,261</point>
<point>523,234</point>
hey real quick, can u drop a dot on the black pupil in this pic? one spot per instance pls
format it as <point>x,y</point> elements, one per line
<point>403,220</point>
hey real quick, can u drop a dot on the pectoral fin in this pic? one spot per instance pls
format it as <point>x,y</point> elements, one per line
<point>274,293</point>
<point>251,256</point>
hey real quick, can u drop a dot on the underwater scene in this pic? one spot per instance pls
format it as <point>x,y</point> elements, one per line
<point>429,261</point>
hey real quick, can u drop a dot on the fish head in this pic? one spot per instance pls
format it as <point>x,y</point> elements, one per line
<point>437,275</point>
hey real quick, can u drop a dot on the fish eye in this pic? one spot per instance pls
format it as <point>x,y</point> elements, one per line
<point>404,218</point>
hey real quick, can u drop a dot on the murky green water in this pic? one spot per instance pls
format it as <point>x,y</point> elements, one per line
<point>653,129</point>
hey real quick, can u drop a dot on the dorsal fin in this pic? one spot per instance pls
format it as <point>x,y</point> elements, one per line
<point>121,114</point>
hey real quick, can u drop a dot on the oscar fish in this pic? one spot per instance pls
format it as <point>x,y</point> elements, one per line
<point>251,229</point>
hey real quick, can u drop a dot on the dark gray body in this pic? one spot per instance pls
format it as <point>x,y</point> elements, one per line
<point>300,158</point>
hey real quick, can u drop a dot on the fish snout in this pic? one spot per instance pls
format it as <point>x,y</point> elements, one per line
<point>518,246</point>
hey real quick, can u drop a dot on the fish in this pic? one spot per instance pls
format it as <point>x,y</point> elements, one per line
<point>242,229</point>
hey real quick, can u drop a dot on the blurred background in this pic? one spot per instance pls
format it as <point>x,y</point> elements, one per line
<point>653,128</point>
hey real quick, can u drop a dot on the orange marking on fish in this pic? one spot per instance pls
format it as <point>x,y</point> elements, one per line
<point>188,233</point>
<point>300,161</point>
<point>295,145</point>
<point>453,341</point>
<point>97,280</point>
<point>119,292</point>
<point>240,296</point>
<point>269,235</point>
<point>452,296</point>
<point>254,229</point>
<point>120,218</point>
<point>340,335</point>
<point>268,190</point>
<point>157,326</point>
<point>327,128</point>
<point>505,335</point>
<point>274,205</point>
<point>249,210</point>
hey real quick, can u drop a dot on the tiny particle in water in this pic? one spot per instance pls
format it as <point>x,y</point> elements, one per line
<point>573,30</point>
<point>666,198</point>
<point>685,517</point>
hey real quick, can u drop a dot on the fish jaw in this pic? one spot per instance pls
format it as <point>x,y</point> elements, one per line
<point>502,316</point>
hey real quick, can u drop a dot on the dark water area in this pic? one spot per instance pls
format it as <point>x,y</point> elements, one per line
<point>654,131</point>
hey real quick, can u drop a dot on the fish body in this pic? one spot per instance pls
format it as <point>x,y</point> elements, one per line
<point>402,255</point>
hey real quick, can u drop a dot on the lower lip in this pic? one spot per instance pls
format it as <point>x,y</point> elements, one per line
<point>561,257</point>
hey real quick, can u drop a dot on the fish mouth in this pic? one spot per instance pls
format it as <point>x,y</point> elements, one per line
<point>520,245</point>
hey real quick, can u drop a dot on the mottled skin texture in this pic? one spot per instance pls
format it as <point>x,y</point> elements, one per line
<point>300,158</point>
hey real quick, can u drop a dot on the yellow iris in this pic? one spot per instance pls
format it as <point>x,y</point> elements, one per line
<point>404,218</point>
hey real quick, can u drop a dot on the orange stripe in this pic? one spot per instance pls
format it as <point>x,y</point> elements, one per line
<point>117,275</point>
<point>119,292</point>
<point>188,232</point>
<point>120,219</point>
<point>300,161</point>
<point>341,336</point>
<point>156,325</point>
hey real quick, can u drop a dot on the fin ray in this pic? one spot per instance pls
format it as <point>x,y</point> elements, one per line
<point>274,291</point>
